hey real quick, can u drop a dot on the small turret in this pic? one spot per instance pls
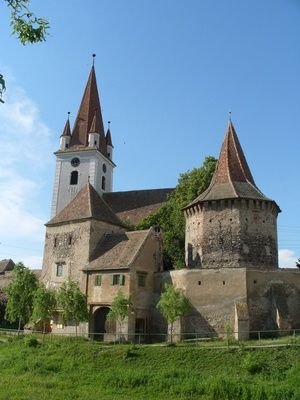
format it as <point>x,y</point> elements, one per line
<point>65,137</point>
<point>94,135</point>
<point>109,145</point>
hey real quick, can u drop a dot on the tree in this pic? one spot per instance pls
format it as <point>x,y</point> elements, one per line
<point>120,308</point>
<point>44,304</point>
<point>170,217</point>
<point>73,303</point>
<point>20,293</point>
<point>3,301</point>
<point>26,26</point>
<point>173,305</point>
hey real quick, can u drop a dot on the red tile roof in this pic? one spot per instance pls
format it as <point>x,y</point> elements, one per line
<point>232,178</point>
<point>87,204</point>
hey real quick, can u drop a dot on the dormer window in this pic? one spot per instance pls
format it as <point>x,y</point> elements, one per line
<point>74,178</point>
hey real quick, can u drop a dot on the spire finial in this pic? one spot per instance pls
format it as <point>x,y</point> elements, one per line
<point>108,122</point>
<point>229,116</point>
<point>93,55</point>
<point>69,115</point>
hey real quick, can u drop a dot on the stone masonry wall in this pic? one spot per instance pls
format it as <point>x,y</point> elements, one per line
<point>212,294</point>
<point>232,234</point>
<point>274,299</point>
<point>71,246</point>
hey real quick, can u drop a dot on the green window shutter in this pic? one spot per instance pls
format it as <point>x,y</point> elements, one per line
<point>98,280</point>
<point>112,279</point>
<point>142,280</point>
<point>122,281</point>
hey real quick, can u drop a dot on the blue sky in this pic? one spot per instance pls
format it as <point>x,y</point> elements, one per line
<point>168,73</point>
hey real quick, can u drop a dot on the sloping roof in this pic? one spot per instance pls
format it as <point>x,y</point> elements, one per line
<point>232,178</point>
<point>67,129</point>
<point>117,251</point>
<point>6,265</point>
<point>87,204</point>
<point>90,104</point>
<point>108,138</point>
<point>132,206</point>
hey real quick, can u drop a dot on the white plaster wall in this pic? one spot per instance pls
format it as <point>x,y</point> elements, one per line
<point>89,169</point>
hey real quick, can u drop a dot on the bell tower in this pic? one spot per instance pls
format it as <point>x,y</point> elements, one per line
<point>85,154</point>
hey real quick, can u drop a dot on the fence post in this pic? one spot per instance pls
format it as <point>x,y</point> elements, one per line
<point>259,336</point>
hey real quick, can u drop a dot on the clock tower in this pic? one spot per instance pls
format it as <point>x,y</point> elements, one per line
<point>85,154</point>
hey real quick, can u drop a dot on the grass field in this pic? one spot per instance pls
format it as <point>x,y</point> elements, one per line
<point>78,369</point>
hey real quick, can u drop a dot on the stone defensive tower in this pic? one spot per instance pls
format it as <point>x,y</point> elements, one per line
<point>85,155</point>
<point>232,224</point>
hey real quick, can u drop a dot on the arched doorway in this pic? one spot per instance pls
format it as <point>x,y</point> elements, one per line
<point>101,325</point>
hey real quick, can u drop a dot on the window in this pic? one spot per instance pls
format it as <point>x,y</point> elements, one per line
<point>118,279</point>
<point>55,242</point>
<point>142,280</point>
<point>70,240</point>
<point>103,183</point>
<point>74,178</point>
<point>98,280</point>
<point>59,269</point>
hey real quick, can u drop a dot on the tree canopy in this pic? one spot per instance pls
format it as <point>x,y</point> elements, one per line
<point>73,303</point>
<point>170,217</point>
<point>44,304</point>
<point>120,308</point>
<point>173,305</point>
<point>20,293</point>
<point>26,26</point>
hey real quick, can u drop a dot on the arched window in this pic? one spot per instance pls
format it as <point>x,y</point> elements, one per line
<point>74,178</point>
<point>103,183</point>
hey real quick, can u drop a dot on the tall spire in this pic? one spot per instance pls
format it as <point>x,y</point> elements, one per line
<point>90,104</point>
<point>232,177</point>
<point>232,165</point>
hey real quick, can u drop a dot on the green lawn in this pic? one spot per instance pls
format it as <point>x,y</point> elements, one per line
<point>77,369</point>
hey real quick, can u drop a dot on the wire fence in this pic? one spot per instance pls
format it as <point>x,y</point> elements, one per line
<point>263,338</point>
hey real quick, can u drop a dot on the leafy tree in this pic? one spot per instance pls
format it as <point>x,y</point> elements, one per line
<point>44,304</point>
<point>173,305</point>
<point>26,26</point>
<point>73,303</point>
<point>3,301</point>
<point>298,263</point>
<point>20,293</point>
<point>170,217</point>
<point>120,308</point>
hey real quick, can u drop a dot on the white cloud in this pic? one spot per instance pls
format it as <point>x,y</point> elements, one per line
<point>287,258</point>
<point>25,145</point>
<point>34,262</point>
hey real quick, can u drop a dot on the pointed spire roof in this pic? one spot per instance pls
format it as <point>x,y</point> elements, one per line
<point>232,177</point>
<point>108,138</point>
<point>67,129</point>
<point>87,204</point>
<point>89,104</point>
<point>95,127</point>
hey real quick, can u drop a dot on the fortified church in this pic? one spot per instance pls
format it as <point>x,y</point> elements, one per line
<point>231,275</point>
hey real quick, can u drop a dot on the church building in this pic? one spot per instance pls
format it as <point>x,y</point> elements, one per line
<point>231,274</point>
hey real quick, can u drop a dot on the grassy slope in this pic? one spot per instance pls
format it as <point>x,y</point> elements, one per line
<point>77,369</point>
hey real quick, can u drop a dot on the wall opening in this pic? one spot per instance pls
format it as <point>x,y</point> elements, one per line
<point>74,178</point>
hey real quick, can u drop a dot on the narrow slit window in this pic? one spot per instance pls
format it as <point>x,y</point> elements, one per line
<point>103,183</point>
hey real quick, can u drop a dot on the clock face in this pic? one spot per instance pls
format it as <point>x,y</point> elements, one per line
<point>104,168</point>
<point>75,162</point>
